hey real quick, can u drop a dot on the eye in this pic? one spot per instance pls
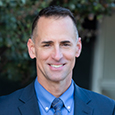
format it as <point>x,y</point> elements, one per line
<point>66,44</point>
<point>46,45</point>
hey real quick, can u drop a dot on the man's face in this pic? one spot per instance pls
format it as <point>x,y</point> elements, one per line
<point>55,48</point>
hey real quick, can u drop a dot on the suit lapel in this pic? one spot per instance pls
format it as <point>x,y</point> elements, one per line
<point>81,102</point>
<point>29,101</point>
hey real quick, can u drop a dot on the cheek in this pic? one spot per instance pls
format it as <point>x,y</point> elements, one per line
<point>42,55</point>
<point>41,59</point>
<point>70,55</point>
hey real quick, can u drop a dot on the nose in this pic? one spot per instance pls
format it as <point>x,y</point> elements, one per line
<point>57,54</point>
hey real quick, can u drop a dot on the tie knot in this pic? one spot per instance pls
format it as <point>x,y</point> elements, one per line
<point>57,104</point>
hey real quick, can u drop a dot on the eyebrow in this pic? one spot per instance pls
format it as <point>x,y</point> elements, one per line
<point>66,41</point>
<point>50,42</point>
<point>47,42</point>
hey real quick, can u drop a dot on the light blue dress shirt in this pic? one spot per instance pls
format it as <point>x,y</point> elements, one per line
<point>45,100</point>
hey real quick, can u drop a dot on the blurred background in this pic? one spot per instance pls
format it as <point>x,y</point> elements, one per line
<point>94,69</point>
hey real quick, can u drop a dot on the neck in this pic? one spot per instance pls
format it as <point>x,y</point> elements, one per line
<point>56,88</point>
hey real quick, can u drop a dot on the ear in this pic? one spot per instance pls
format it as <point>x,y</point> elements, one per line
<point>78,47</point>
<point>31,48</point>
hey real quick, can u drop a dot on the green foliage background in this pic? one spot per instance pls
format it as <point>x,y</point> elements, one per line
<point>16,17</point>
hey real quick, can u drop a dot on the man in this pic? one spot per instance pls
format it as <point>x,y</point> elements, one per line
<point>55,45</point>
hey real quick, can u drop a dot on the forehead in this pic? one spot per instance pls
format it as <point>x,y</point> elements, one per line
<point>54,20</point>
<point>55,27</point>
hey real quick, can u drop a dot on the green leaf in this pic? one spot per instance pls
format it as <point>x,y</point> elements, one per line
<point>1,3</point>
<point>23,1</point>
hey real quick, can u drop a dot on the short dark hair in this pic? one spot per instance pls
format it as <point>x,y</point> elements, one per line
<point>55,11</point>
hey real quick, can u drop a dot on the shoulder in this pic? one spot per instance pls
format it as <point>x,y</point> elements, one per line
<point>9,97</point>
<point>99,103</point>
<point>98,97</point>
<point>12,101</point>
<point>92,95</point>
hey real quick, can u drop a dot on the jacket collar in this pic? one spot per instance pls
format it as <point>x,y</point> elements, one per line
<point>29,101</point>
<point>81,102</point>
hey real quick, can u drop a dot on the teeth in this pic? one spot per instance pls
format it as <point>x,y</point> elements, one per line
<point>56,66</point>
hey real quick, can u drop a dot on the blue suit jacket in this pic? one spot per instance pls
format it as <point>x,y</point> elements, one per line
<point>24,102</point>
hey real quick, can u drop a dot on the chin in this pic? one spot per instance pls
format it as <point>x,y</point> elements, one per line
<point>57,79</point>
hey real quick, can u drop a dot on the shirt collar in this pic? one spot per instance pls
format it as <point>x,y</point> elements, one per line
<point>68,97</point>
<point>45,98</point>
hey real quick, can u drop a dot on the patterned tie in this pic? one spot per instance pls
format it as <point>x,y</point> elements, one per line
<point>57,105</point>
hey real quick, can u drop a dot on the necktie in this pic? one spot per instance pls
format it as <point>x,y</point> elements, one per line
<point>57,105</point>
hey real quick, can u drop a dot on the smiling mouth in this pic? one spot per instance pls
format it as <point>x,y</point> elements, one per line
<point>57,66</point>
